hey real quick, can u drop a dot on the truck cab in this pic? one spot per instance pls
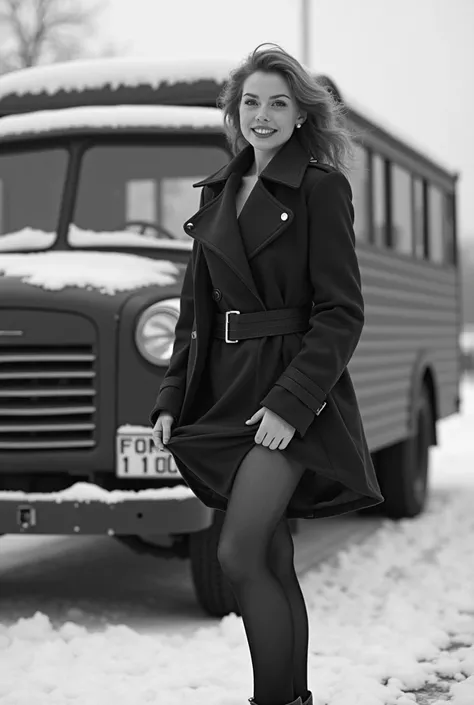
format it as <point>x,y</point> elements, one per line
<point>97,162</point>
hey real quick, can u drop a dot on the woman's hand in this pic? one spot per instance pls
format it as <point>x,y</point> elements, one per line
<point>274,432</point>
<point>162,429</point>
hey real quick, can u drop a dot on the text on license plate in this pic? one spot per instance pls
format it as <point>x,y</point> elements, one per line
<point>137,456</point>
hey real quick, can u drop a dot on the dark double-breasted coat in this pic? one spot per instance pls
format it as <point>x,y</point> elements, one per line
<point>292,244</point>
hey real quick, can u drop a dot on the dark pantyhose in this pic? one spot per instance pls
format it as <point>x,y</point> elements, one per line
<point>281,559</point>
<point>256,554</point>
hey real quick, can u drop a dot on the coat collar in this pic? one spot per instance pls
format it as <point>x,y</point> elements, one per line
<point>263,220</point>
<point>287,167</point>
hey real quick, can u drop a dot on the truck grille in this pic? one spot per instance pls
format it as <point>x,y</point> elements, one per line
<point>47,397</point>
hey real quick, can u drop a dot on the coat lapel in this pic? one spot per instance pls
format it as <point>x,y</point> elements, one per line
<point>217,228</point>
<point>264,217</point>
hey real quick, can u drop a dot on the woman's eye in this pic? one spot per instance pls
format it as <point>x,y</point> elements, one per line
<point>280,102</point>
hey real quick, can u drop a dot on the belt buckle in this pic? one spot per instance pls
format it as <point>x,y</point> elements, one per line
<point>227,339</point>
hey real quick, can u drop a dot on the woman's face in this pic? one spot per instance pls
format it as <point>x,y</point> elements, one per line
<point>267,102</point>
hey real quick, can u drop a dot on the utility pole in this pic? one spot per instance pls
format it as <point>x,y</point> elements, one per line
<point>305,32</point>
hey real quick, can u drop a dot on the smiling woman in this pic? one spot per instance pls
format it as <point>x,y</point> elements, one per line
<point>268,428</point>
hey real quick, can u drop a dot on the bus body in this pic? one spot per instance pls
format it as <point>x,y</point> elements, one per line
<point>96,165</point>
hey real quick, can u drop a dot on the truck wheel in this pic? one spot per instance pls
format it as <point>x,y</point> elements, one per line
<point>402,469</point>
<point>213,590</point>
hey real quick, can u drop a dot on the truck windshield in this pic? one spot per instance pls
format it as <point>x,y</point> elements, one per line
<point>140,195</point>
<point>31,186</point>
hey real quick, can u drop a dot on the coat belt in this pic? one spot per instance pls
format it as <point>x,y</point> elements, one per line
<point>233,326</point>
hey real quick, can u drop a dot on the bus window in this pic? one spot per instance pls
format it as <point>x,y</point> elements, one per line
<point>449,237</point>
<point>402,227</point>
<point>379,200</point>
<point>419,216</point>
<point>2,226</point>
<point>359,180</point>
<point>436,223</point>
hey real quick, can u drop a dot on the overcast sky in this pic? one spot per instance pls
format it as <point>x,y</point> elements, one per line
<point>411,62</point>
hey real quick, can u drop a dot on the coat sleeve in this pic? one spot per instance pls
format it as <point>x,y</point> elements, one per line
<point>337,317</point>
<point>171,393</point>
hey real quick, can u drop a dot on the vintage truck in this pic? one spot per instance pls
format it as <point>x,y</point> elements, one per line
<point>97,159</point>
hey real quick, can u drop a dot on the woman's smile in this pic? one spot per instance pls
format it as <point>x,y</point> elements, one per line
<point>263,131</point>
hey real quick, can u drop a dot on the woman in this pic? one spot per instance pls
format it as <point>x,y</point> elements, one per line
<point>268,427</point>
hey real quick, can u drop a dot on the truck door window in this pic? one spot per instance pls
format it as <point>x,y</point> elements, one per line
<point>139,195</point>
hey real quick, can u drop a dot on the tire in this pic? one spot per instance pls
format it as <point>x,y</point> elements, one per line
<point>403,468</point>
<point>213,591</point>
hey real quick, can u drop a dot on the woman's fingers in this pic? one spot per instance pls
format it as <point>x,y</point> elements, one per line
<point>166,432</point>
<point>158,433</point>
<point>161,435</point>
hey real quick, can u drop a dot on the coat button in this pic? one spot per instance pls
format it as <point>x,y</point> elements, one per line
<point>284,216</point>
<point>189,226</point>
<point>194,335</point>
<point>216,294</point>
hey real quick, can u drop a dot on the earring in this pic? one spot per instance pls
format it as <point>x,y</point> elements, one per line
<point>298,124</point>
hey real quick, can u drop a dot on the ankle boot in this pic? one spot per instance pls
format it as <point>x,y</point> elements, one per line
<point>308,701</point>
<point>293,702</point>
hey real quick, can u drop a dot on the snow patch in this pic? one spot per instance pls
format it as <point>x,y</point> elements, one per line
<point>125,238</point>
<point>26,239</point>
<point>115,117</point>
<point>89,492</point>
<point>34,239</point>
<point>107,272</point>
<point>89,74</point>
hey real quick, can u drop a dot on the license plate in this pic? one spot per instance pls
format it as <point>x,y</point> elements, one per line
<point>137,456</point>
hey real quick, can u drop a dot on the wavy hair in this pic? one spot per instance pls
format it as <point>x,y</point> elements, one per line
<point>325,133</point>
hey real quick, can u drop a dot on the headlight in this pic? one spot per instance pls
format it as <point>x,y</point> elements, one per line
<point>154,334</point>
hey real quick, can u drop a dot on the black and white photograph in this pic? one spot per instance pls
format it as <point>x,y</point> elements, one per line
<point>236,352</point>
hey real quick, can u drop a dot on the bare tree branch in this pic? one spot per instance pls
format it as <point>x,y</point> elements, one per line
<point>44,31</point>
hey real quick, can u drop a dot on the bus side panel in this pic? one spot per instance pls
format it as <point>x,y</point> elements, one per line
<point>410,309</point>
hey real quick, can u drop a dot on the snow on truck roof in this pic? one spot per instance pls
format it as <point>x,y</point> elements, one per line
<point>112,81</point>
<point>111,119</point>
<point>82,74</point>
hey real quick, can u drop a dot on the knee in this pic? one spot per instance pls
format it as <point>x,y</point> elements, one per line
<point>235,559</point>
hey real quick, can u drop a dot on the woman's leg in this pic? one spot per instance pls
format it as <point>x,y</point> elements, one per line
<point>281,561</point>
<point>262,489</point>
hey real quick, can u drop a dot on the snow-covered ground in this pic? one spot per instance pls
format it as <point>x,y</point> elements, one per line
<point>391,621</point>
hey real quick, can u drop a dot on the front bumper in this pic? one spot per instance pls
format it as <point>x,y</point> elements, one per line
<point>95,517</point>
<point>86,508</point>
